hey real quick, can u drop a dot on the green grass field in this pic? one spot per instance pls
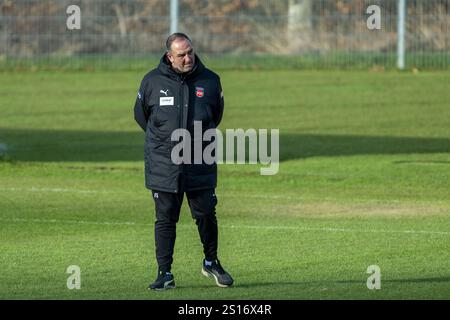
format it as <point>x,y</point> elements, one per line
<point>364,179</point>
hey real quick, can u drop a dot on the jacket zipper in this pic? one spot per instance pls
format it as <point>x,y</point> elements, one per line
<point>181,111</point>
<point>181,96</point>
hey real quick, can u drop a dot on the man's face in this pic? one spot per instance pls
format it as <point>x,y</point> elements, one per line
<point>181,55</point>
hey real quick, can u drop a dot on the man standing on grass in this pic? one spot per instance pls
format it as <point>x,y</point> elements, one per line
<point>178,92</point>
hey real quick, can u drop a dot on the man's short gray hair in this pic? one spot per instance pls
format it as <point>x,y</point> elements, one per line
<point>175,36</point>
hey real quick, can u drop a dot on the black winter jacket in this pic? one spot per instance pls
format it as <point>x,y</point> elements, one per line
<point>167,101</point>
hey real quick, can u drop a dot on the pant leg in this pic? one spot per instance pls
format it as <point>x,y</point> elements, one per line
<point>203,209</point>
<point>167,207</point>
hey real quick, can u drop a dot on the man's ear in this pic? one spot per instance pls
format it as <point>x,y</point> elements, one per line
<point>169,56</point>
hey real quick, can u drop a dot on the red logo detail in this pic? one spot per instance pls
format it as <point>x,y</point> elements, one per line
<point>199,92</point>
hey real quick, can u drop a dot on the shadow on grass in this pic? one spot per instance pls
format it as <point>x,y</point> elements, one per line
<point>328,282</point>
<point>248,285</point>
<point>102,146</point>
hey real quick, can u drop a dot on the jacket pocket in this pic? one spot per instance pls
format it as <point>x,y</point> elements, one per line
<point>202,112</point>
<point>159,146</point>
<point>155,119</point>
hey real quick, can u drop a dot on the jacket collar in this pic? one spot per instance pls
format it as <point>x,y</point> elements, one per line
<point>165,68</point>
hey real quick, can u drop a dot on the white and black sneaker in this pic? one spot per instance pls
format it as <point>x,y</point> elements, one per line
<point>164,281</point>
<point>215,271</point>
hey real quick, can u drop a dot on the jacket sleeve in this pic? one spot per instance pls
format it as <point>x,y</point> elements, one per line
<point>218,110</point>
<point>141,112</point>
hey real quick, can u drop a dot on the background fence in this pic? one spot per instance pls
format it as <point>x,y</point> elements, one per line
<point>229,33</point>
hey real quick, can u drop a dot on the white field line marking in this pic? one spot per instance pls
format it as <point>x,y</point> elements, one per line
<point>71,190</point>
<point>62,190</point>
<point>112,223</point>
<point>119,223</point>
<point>230,195</point>
<point>339,230</point>
<point>276,228</point>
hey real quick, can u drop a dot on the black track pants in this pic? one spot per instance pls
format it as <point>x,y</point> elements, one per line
<point>167,205</point>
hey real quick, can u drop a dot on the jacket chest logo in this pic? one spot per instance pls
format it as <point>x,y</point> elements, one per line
<point>166,101</point>
<point>199,92</point>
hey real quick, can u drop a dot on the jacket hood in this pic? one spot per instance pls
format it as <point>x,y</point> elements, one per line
<point>165,68</point>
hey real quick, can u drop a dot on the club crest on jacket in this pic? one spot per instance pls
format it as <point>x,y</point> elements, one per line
<point>199,92</point>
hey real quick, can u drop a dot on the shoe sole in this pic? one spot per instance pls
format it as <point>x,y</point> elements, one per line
<point>167,285</point>
<point>210,275</point>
